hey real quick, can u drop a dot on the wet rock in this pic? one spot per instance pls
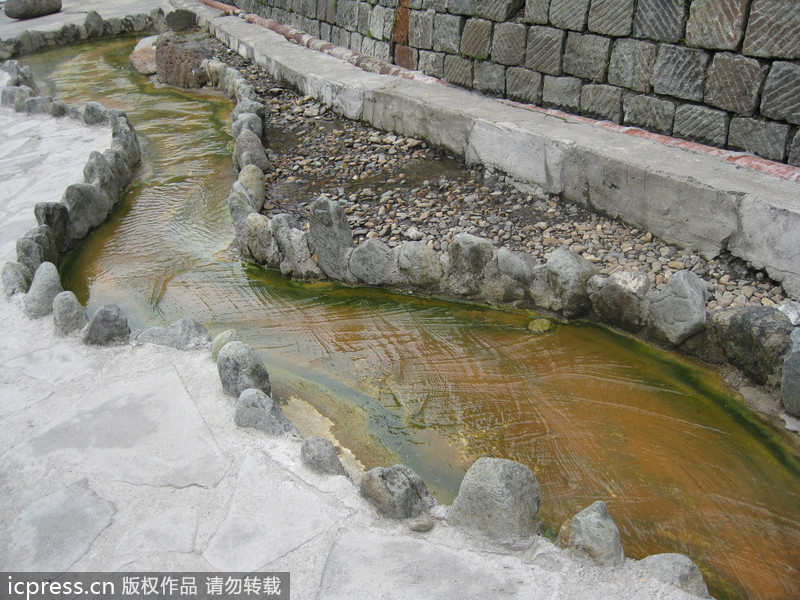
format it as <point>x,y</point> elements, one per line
<point>373,262</point>
<point>498,287</point>
<point>178,61</point>
<point>320,455</point>
<point>540,326</point>
<point>397,492</point>
<point>20,74</point>
<point>754,339</point>
<point>124,140</point>
<point>251,178</point>
<point>29,9</point>
<point>257,242</point>
<point>45,287</point>
<point>292,243</point>
<point>468,256</point>
<point>37,246</point>
<point>257,410</point>
<point>95,113</point>
<point>499,499</point>
<point>68,314</point>
<point>185,334</point>
<point>540,292</point>
<point>790,382</point>
<point>592,534</point>
<point>109,325</point>
<point>240,367</point>
<point>181,20</point>
<point>679,310</point>
<point>105,175</point>
<point>420,265</point>
<point>567,275</point>
<point>143,56</point>
<point>330,238</point>
<point>246,106</point>
<point>87,206</point>
<point>677,570</point>
<point>94,25</point>
<point>619,299</point>
<point>247,150</point>
<point>219,341</point>
<point>56,217</point>
<point>240,208</point>
<point>16,279</point>
<point>251,122</point>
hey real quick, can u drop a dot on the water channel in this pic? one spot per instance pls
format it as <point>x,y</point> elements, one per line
<point>681,464</point>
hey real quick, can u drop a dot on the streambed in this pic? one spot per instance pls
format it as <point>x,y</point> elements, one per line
<point>682,466</point>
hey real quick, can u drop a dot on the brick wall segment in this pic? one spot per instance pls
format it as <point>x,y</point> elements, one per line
<point>524,85</point>
<point>544,49</point>
<point>631,64</point>
<point>611,17</point>
<point>569,14</point>
<point>402,18</point>
<point>680,72</point>
<point>405,57</point>
<point>772,29</point>
<point>563,92</point>
<point>648,112</point>
<point>477,38</point>
<point>659,20</point>
<point>765,138</point>
<point>508,43</point>
<point>586,56</point>
<point>733,83</point>
<point>701,124</point>
<point>781,97</point>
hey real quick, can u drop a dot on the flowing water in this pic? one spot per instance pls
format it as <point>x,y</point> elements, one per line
<point>681,464</point>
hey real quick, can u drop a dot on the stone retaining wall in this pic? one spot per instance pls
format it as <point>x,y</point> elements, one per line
<point>719,72</point>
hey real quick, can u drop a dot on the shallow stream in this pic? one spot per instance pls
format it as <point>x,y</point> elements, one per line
<point>681,464</point>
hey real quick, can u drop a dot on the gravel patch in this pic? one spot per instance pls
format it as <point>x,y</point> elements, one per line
<point>397,188</point>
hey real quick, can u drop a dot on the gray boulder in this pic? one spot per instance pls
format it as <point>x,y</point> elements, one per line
<point>16,279</point>
<point>678,311</point>
<point>55,216</point>
<point>251,179</point>
<point>178,61</point>
<point>251,122</point>
<point>248,106</point>
<point>143,57</point>
<point>109,325</point>
<point>790,382</point>
<point>420,265</point>
<point>29,9</point>
<point>239,207</point>
<point>330,238</point>
<point>540,292</point>
<point>181,20</point>
<point>39,105</point>
<point>20,74</point>
<point>68,314</point>
<point>468,256</point>
<point>677,570</point>
<point>593,535</point>
<point>500,287</point>
<point>45,287</point>
<point>248,150</point>
<point>58,108</point>
<point>498,498</point>
<point>619,299</point>
<point>754,339</point>
<point>295,254</point>
<point>185,334</point>
<point>101,173</point>
<point>374,263</point>
<point>95,113</point>
<point>36,247</point>
<point>93,24</point>
<point>567,276</point>
<point>519,266</point>
<point>124,139</point>
<point>257,410</point>
<point>397,492</point>
<point>792,310</point>
<point>320,455</point>
<point>240,368</point>
<point>257,242</point>
<point>87,206</point>
<point>219,341</point>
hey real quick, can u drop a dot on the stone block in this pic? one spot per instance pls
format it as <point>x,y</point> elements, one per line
<point>431,63</point>
<point>631,64</point>
<point>781,97</point>
<point>405,57</point>
<point>383,51</point>
<point>651,113</point>
<point>569,14</point>
<point>764,138</point>
<point>611,17</point>
<point>347,14</point>
<point>680,72</point>
<point>536,11</point>
<point>544,50</point>
<point>377,21</point>
<point>603,101</point>
<point>458,70</point>
<point>490,78</point>
<point>586,56</point>
<point>660,20</point>
<point>794,150</point>
<point>401,19</point>
<point>733,82</point>
<point>701,124</point>
<point>440,6</point>
<point>476,39</point>
<point>364,16</point>
<point>716,24</point>
<point>772,29</point>
<point>355,41</point>
<point>497,10</point>
<point>508,43</point>
<point>461,7</point>
<point>420,31</point>
<point>526,86</point>
<point>564,92</point>
<point>447,33</point>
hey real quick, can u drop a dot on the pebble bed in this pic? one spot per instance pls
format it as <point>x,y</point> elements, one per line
<point>397,188</point>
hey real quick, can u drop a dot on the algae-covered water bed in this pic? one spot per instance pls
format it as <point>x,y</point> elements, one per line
<point>681,464</point>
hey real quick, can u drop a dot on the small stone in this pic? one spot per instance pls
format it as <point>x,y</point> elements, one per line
<point>68,314</point>
<point>421,524</point>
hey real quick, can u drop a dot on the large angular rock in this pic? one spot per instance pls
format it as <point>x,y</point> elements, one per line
<point>468,257</point>
<point>16,279</point>
<point>754,339</point>
<point>109,325</point>
<point>397,492</point>
<point>790,383</point>
<point>374,263</point>
<point>257,242</point>
<point>257,410</point>
<point>30,9</point>
<point>87,205</point>
<point>45,287</point>
<point>251,179</point>
<point>498,498</point>
<point>567,275</point>
<point>185,334</point>
<point>68,314</point>
<point>295,253</point>
<point>420,264</point>
<point>592,534</point>
<point>678,311</point>
<point>36,247</point>
<point>248,150</point>
<point>320,455</point>
<point>677,570</point>
<point>178,61</point>
<point>330,238</point>
<point>56,217</point>
<point>240,367</point>
<point>248,107</point>
<point>248,121</point>
<point>619,298</point>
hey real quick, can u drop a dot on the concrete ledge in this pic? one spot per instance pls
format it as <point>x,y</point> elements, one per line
<point>694,196</point>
